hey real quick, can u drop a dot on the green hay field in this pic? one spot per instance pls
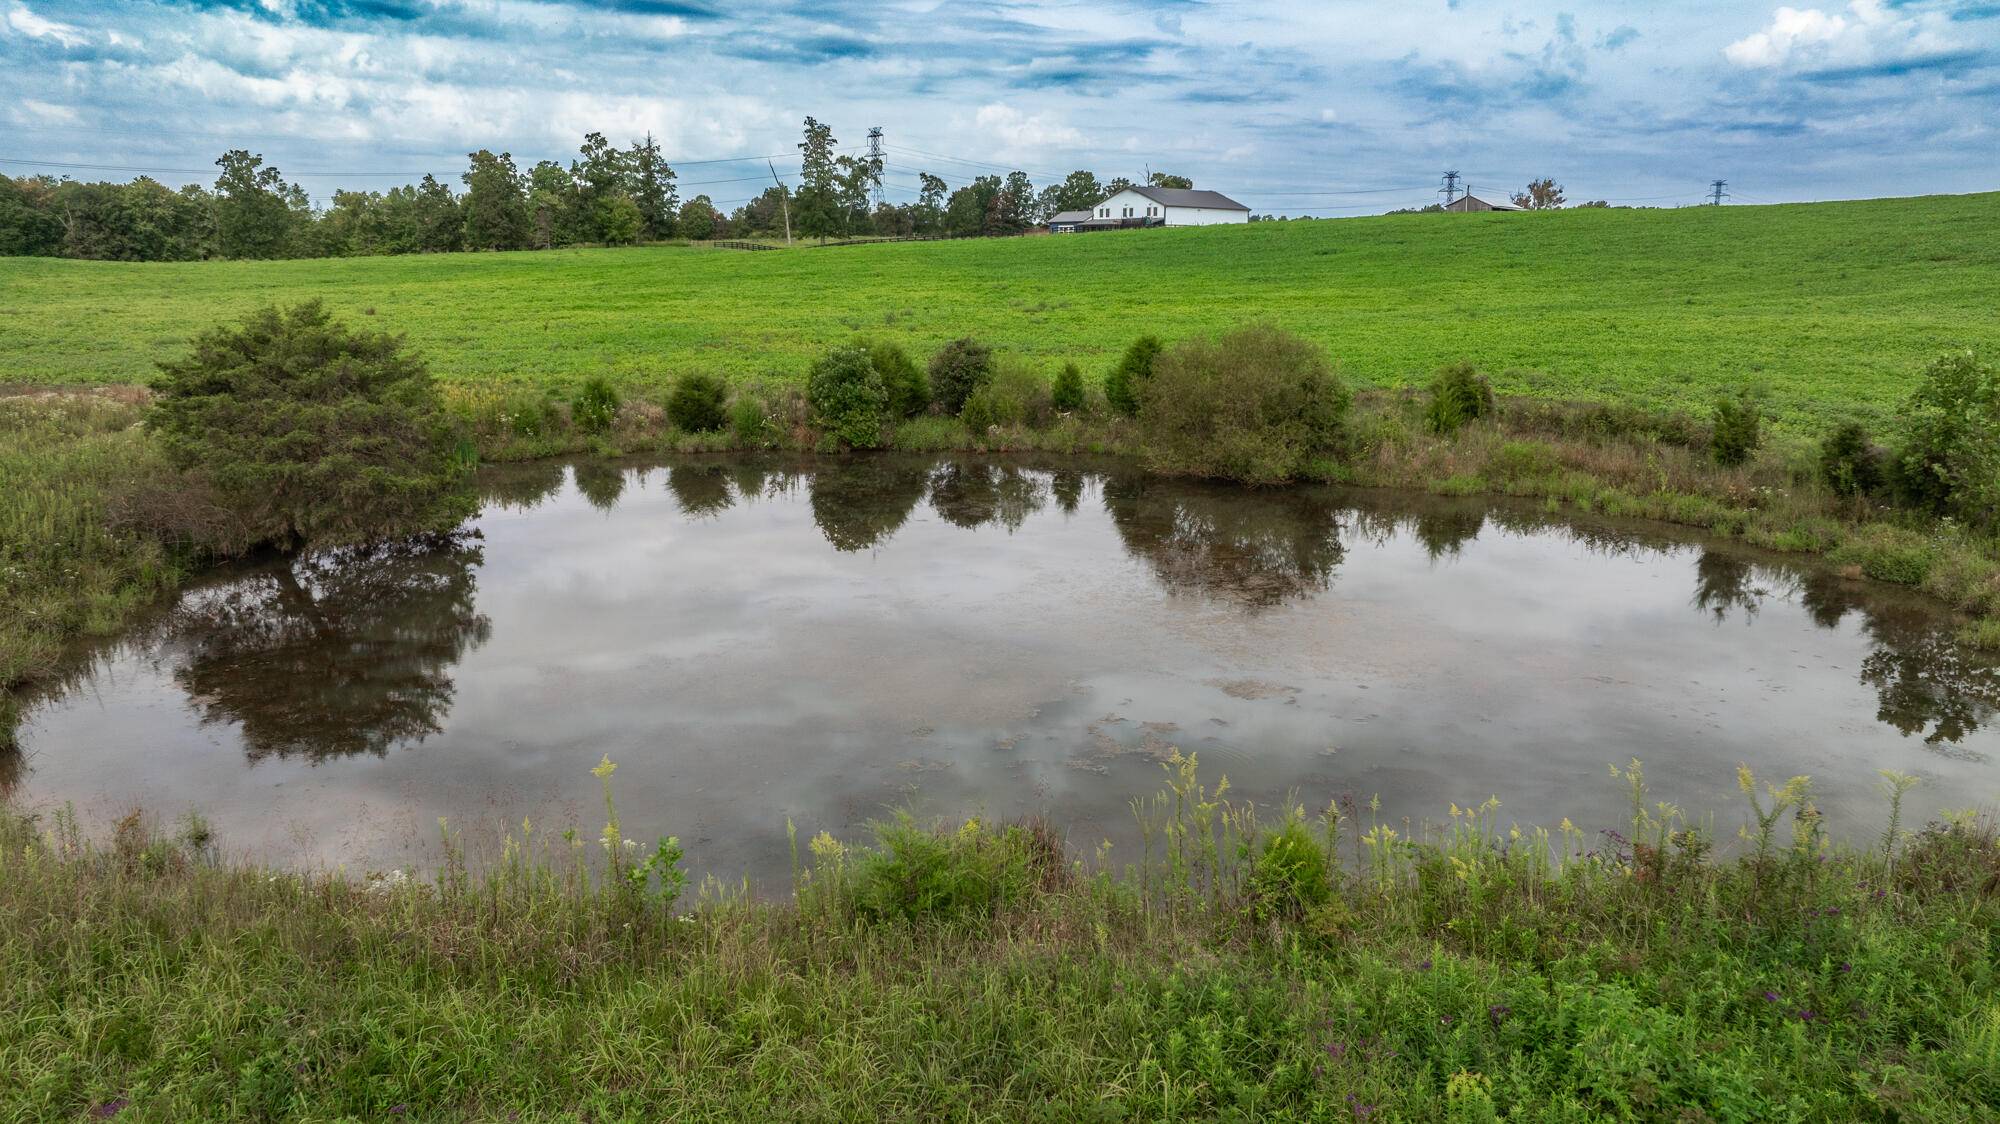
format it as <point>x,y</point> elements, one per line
<point>1829,308</point>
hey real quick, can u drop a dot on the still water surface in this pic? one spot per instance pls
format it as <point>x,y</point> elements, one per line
<point>827,640</point>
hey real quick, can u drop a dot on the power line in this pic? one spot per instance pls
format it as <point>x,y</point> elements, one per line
<point>1450,186</point>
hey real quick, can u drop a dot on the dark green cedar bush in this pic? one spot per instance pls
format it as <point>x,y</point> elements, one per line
<point>312,434</point>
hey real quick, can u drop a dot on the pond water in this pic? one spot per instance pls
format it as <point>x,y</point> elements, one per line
<point>828,640</point>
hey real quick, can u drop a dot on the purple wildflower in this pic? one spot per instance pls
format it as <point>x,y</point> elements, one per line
<point>110,1108</point>
<point>1498,1012</point>
<point>1425,966</point>
<point>1770,997</point>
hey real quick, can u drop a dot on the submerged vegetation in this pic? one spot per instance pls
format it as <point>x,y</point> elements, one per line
<point>1284,963</point>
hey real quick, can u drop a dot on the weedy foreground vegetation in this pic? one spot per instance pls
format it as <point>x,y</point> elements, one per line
<point>1252,963</point>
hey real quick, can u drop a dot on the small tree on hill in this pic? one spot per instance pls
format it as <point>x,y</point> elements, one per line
<point>1542,195</point>
<point>312,434</point>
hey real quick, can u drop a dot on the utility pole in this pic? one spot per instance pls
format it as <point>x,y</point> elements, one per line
<point>1715,193</point>
<point>1451,187</point>
<point>784,200</point>
<point>875,159</point>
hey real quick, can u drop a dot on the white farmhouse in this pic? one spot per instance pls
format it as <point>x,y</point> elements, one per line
<point>1165,206</point>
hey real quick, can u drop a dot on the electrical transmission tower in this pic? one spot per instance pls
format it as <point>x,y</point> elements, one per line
<point>1715,193</point>
<point>875,159</point>
<point>1450,187</point>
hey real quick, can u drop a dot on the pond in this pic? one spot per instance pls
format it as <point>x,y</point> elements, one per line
<point>827,640</point>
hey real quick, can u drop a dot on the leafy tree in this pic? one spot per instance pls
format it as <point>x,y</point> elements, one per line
<point>847,396</point>
<point>1079,191</point>
<point>552,205</point>
<point>1948,452</point>
<point>975,208</point>
<point>256,209</point>
<point>619,220</point>
<point>764,214</point>
<point>957,370</point>
<point>1119,184</point>
<point>312,434</point>
<point>495,206</point>
<point>1162,179</point>
<point>930,209</point>
<point>1017,204</point>
<point>1542,195</point>
<point>28,223</point>
<point>698,218</point>
<point>818,212</point>
<point>601,174</point>
<point>440,217</point>
<point>1123,385</point>
<point>857,178</point>
<point>651,185</point>
<point>1067,395</point>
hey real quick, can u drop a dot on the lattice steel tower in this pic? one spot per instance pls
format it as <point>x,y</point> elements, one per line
<point>876,159</point>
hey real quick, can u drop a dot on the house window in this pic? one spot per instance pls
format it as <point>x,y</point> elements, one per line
<point>1152,210</point>
<point>1105,213</point>
<point>1128,213</point>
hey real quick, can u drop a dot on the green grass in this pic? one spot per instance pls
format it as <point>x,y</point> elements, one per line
<point>1831,307</point>
<point>1289,968</point>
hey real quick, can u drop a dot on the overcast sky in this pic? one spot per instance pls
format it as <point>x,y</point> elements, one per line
<point>1266,101</point>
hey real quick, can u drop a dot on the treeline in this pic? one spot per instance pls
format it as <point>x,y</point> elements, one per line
<point>605,196</point>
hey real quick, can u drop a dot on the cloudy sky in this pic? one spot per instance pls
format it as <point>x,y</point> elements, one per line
<point>1331,107</point>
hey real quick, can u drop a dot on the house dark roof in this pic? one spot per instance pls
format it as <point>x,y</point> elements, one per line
<point>1186,197</point>
<point>1069,217</point>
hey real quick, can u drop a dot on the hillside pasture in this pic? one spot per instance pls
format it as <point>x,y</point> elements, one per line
<point>1829,309</point>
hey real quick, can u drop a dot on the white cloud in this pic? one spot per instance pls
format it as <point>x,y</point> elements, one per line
<point>1866,32</point>
<point>35,27</point>
<point>1019,131</point>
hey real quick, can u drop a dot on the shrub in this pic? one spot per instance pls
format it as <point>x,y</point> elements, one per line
<point>1068,393</point>
<point>1848,463</point>
<point>959,368</point>
<point>1256,404</point>
<point>916,872</point>
<point>908,389</point>
<point>1459,394</point>
<point>594,407</point>
<point>695,403</point>
<point>847,396</point>
<point>1948,454</point>
<point>748,421</point>
<point>1015,396</point>
<point>1292,873</point>
<point>1738,430</point>
<point>313,434</point>
<point>1123,386</point>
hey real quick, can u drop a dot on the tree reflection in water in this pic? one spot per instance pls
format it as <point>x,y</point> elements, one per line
<point>520,487</point>
<point>1926,683</point>
<point>971,494</point>
<point>336,653</point>
<point>860,504</point>
<point>600,484</point>
<point>1723,582</point>
<point>1256,547</point>
<point>701,490</point>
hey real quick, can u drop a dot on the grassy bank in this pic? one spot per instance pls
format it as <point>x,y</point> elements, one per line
<point>1831,307</point>
<point>1252,964</point>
